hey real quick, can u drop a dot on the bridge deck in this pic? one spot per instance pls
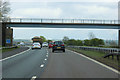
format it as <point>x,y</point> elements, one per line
<point>62,23</point>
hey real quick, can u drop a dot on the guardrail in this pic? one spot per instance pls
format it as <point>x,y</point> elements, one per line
<point>38,20</point>
<point>110,51</point>
<point>105,50</point>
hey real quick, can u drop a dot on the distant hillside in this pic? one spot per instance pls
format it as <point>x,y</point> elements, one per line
<point>108,41</point>
<point>20,40</point>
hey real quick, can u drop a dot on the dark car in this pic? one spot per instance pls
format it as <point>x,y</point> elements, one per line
<point>58,45</point>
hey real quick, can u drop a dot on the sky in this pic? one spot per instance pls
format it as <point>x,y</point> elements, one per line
<point>64,9</point>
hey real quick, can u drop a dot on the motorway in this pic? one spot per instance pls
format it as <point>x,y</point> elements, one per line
<point>42,63</point>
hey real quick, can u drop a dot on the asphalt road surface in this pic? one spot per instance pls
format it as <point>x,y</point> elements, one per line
<point>13,52</point>
<point>42,63</point>
<point>25,65</point>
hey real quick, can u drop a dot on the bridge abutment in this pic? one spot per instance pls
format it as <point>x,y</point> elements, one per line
<point>3,34</point>
<point>119,38</point>
<point>7,35</point>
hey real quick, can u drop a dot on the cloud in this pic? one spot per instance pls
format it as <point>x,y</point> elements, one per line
<point>64,0</point>
<point>95,11</point>
<point>38,12</point>
<point>80,10</point>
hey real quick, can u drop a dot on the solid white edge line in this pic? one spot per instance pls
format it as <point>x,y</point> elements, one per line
<point>42,65</point>
<point>15,55</point>
<point>34,77</point>
<point>110,68</point>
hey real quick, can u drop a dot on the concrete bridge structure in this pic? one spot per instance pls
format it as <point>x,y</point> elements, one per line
<point>58,23</point>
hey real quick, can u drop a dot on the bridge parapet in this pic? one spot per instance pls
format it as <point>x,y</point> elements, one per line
<point>83,21</point>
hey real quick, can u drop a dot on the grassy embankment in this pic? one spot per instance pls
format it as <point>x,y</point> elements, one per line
<point>103,46</point>
<point>7,49</point>
<point>99,57</point>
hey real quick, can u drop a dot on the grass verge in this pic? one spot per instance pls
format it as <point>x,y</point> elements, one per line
<point>99,57</point>
<point>6,50</point>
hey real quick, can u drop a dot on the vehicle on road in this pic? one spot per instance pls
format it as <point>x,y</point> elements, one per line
<point>21,44</point>
<point>37,39</point>
<point>58,45</point>
<point>36,45</point>
<point>45,44</point>
<point>50,45</point>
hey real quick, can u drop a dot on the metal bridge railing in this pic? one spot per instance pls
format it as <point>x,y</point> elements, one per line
<point>37,20</point>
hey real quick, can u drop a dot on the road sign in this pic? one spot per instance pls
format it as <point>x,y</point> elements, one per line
<point>8,41</point>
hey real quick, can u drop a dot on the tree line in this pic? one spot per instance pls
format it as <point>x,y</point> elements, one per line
<point>86,42</point>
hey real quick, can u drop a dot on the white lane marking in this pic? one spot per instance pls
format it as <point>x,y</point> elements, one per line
<point>110,68</point>
<point>33,78</point>
<point>15,55</point>
<point>42,65</point>
<point>45,59</point>
<point>46,55</point>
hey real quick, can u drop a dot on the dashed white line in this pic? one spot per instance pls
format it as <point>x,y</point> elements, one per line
<point>15,55</point>
<point>42,65</point>
<point>46,55</point>
<point>34,77</point>
<point>110,68</point>
<point>45,59</point>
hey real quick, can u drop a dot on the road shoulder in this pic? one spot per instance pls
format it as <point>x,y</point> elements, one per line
<point>14,52</point>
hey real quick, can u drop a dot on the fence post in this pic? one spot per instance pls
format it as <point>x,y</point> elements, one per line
<point>114,21</point>
<point>118,57</point>
<point>20,20</point>
<point>112,56</point>
<point>41,20</point>
<point>51,21</point>
<point>73,20</point>
<point>62,20</point>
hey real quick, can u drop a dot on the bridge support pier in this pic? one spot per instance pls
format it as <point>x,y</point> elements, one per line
<point>119,38</point>
<point>7,34</point>
<point>3,34</point>
<point>0,34</point>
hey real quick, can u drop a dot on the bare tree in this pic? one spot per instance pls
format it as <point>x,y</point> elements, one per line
<point>4,9</point>
<point>91,35</point>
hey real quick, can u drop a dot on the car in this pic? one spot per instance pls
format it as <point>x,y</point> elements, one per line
<point>45,44</point>
<point>50,45</point>
<point>36,45</point>
<point>21,44</point>
<point>58,45</point>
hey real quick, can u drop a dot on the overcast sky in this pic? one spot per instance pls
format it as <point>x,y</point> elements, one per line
<point>77,9</point>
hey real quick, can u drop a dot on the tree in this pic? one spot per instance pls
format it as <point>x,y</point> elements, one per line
<point>65,39</point>
<point>4,9</point>
<point>91,35</point>
<point>49,41</point>
<point>43,38</point>
<point>87,42</point>
<point>79,43</point>
<point>96,42</point>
